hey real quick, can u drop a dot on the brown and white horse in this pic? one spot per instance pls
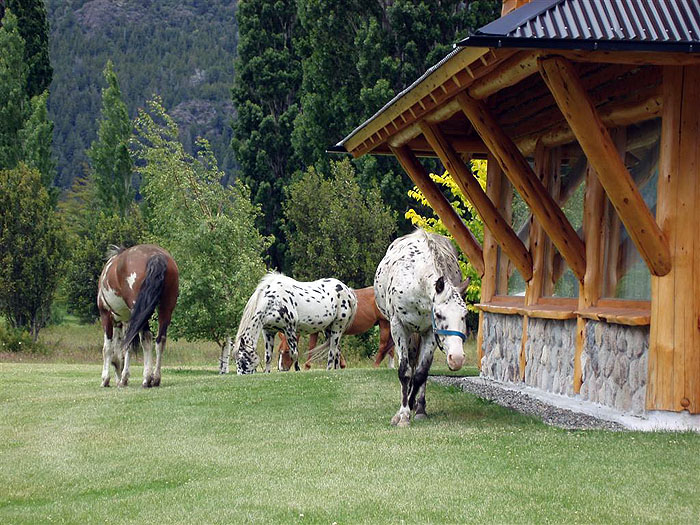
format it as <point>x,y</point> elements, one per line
<point>133,283</point>
<point>366,317</point>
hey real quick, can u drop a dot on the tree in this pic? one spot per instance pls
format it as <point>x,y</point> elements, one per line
<point>468,214</point>
<point>335,229</point>
<point>32,249</point>
<point>208,228</point>
<point>34,30</point>
<point>36,138</point>
<point>109,154</point>
<point>268,77</point>
<point>13,97</point>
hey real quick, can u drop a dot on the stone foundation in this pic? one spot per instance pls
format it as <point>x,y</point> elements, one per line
<point>614,366</point>
<point>549,353</point>
<point>613,361</point>
<point>503,335</point>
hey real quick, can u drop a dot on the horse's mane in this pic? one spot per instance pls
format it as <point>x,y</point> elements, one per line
<point>113,250</point>
<point>442,251</point>
<point>252,305</point>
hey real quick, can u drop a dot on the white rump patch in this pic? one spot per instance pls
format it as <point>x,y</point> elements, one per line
<point>131,280</point>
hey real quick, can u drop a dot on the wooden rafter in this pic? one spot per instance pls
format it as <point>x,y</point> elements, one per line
<point>464,238</point>
<point>593,136</point>
<point>504,234</point>
<point>519,172</point>
<point>508,73</point>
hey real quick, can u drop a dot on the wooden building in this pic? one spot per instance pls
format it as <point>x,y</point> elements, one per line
<point>589,113</point>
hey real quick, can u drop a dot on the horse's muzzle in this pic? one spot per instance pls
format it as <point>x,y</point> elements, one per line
<point>455,362</point>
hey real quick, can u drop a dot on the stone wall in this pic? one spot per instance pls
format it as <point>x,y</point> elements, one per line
<point>503,336</point>
<point>614,365</point>
<point>549,352</point>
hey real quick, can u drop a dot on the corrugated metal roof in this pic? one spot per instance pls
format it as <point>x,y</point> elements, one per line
<point>642,25</point>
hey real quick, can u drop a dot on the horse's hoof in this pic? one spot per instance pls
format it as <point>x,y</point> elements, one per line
<point>122,384</point>
<point>421,415</point>
<point>403,423</point>
<point>105,384</point>
<point>395,420</point>
<point>147,383</point>
<point>156,381</point>
<point>307,366</point>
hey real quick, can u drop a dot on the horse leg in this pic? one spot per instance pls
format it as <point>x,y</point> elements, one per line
<point>124,380</point>
<point>269,336</point>
<point>407,354</point>
<point>107,348</point>
<point>385,344</point>
<point>334,348</point>
<point>293,342</point>
<point>225,356</point>
<point>417,398</point>
<point>147,346</point>
<point>313,339</point>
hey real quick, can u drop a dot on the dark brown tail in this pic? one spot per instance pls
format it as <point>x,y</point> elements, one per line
<point>148,298</point>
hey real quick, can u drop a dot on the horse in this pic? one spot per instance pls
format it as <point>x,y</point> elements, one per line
<point>132,284</point>
<point>417,288</point>
<point>279,303</point>
<point>367,316</point>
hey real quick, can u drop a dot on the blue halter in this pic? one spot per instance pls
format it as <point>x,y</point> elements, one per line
<point>437,331</point>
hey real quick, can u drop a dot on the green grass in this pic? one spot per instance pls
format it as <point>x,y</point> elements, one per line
<point>313,447</point>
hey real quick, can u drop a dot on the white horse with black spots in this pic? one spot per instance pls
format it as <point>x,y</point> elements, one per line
<point>281,304</point>
<point>417,288</point>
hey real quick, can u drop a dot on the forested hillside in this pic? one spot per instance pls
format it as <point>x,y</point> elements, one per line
<point>182,50</point>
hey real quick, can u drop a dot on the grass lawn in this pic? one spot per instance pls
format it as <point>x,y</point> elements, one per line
<point>313,447</point>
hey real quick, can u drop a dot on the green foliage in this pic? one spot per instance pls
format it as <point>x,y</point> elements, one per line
<point>109,155</point>
<point>182,50</point>
<point>32,249</point>
<point>15,340</point>
<point>34,29</point>
<point>268,77</point>
<point>13,97</point>
<point>36,138</point>
<point>335,228</point>
<point>208,228</point>
<point>88,257</point>
<point>468,214</point>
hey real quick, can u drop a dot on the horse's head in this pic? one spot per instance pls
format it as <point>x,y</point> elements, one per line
<point>450,321</point>
<point>247,359</point>
<point>285,362</point>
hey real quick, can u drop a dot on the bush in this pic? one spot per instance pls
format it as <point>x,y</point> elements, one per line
<point>18,340</point>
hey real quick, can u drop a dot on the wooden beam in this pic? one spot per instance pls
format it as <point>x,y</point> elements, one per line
<point>517,169</point>
<point>639,58</point>
<point>463,237</point>
<point>504,234</point>
<point>508,73</point>
<point>580,113</point>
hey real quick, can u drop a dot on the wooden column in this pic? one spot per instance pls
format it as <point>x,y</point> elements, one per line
<point>674,342</point>
<point>579,111</point>
<point>594,232</point>
<point>463,237</point>
<point>504,234</point>
<point>494,180</point>
<point>517,169</point>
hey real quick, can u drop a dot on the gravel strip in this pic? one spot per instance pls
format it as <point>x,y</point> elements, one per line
<point>526,404</point>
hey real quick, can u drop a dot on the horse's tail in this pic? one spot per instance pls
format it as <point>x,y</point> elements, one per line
<point>251,307</point>
<point>148,298</point>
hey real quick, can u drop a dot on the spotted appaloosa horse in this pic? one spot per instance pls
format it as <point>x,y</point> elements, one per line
<point>366,317</point>
<point>133,283</point>
<point>279,303</point>
<point>417,287</point>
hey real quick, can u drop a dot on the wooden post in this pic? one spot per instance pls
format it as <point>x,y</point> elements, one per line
<point>470,187</point>
<point>494,179</point>
<point>464,238</point>
<point>674,341</point>
<point>517,169</point>
<point>579,111</point>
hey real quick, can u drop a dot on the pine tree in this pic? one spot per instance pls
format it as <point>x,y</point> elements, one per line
<point>111,162</point>
<point>265,89</point>
<point>36,137</point>
<point>32,249</point>
<point>34,30</point>
<point>13,98</point>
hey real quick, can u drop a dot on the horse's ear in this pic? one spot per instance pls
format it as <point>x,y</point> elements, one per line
<point>440,284</point>
<point>463,287</point>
